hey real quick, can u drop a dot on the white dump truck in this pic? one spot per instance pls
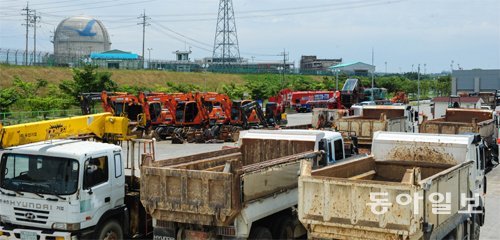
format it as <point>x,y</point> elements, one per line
<point>69,189</point>
<point>376,118</point>
<point>413,186</point>
<point>244,192</point>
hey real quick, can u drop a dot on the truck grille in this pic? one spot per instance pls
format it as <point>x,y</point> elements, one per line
<point>30,215</point>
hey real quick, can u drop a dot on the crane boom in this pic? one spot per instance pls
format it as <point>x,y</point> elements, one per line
<point>99,125</point>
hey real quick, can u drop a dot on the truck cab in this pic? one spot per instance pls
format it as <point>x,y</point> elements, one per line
<point>331,143</point>
<point>62,189</point>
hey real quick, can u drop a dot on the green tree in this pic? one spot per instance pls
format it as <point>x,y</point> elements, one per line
<point>233,91</point>
<point>87,79</point>
<point>8,96</point>
<point>32,99</point>
<point>182,87</point>
<point>444,85</point>
<point>134,89</point>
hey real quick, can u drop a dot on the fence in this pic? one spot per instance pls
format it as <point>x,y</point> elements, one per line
<point>19,57</point>
<point>11,118</point>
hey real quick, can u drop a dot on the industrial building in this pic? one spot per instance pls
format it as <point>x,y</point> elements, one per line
<point>475,80</point>
<point>79,36</point>
<point>440,104</point>
<point>310,64</point>
<point>116,59</point>
<point>356,68</point>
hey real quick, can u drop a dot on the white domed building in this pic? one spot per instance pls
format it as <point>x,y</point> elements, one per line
<point>79,36</point>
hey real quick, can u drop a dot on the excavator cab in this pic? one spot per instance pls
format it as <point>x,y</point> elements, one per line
<point>186,112</point>
<point>155,111</point>
<point>131,110</point>
<point>273,114</point>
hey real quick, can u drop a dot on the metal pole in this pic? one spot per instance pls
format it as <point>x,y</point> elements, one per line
<point>373,71</point>
<point>418,93</point>
<point>283,74</point>
<point>337,79</point>
<point>149,57</point>
<point>28,18</point>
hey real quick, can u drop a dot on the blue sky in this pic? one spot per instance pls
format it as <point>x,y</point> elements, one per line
<point>401,32</point>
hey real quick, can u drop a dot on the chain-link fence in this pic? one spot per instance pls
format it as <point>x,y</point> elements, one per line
<point>11,118</point>
<point>19,57</point>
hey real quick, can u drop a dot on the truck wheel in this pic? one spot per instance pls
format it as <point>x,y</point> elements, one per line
<point>284,230</point>
<point>110,231</point>
<point>260,233</point>
<point>475,229</point>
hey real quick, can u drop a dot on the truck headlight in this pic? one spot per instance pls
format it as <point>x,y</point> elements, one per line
<point>4,219</point>
<point>66,226</point>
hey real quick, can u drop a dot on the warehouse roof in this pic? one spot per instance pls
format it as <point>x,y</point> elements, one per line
<point>349,64</point>
<point>115,54</point>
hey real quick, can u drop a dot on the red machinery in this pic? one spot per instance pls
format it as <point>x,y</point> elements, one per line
<point>298,100</point>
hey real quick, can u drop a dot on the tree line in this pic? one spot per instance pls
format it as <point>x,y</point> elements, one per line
<point>41,95</point>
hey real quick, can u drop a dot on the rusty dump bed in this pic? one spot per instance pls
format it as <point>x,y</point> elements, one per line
<point>374,118</point>
<point>334,202</point>
<point>457,121</point>
<point>211,188</point>
<point>374,112</point>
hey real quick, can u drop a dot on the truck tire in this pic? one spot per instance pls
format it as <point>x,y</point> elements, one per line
<point>260,233</point>
<point>475,229</point>
<point>284,230</point>
<point>110,231</point>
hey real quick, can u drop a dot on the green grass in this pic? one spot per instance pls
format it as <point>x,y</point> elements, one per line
<point>148,78</point>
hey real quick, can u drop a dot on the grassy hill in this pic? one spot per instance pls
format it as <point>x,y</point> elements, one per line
<point>123,77</point>
<point>150,78</point>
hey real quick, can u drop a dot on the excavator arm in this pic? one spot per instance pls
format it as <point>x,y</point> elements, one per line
<point>102,125</point>
<point>253,105</point>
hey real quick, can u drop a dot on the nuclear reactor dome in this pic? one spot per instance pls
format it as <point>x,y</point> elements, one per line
<point>79,36</point>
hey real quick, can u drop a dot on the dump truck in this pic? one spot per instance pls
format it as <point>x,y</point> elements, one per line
<point>248,191</point>
<point>376,118</point>
<point>412,186</point>
<point>461,120</point>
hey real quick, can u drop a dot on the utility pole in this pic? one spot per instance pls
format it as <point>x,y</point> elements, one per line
<point>385,67</point>
<point>149,58</point>
<point>144,24</point>
<point>373,72</point>
<point>27,24</point>
<point>35,21</point>
<point>283,71</point>
<point>418,92</point>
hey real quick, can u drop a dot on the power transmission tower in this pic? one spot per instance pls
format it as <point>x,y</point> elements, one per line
<point>226,49</point>
<point>35,20</point>
<point>144,24</point>
<point>28,13</point>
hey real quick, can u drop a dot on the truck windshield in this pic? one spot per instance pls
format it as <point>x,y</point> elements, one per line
<point>39,174</point>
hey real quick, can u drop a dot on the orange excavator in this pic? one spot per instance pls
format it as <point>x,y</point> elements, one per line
<point>400,97</point>
<point>217,106</point>
<point>118,103</point>
<point>238,117</point>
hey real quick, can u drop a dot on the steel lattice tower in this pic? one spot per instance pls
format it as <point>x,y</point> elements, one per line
<point>226,49</point>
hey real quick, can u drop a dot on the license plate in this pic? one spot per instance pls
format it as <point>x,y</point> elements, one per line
<point>28,235</point>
